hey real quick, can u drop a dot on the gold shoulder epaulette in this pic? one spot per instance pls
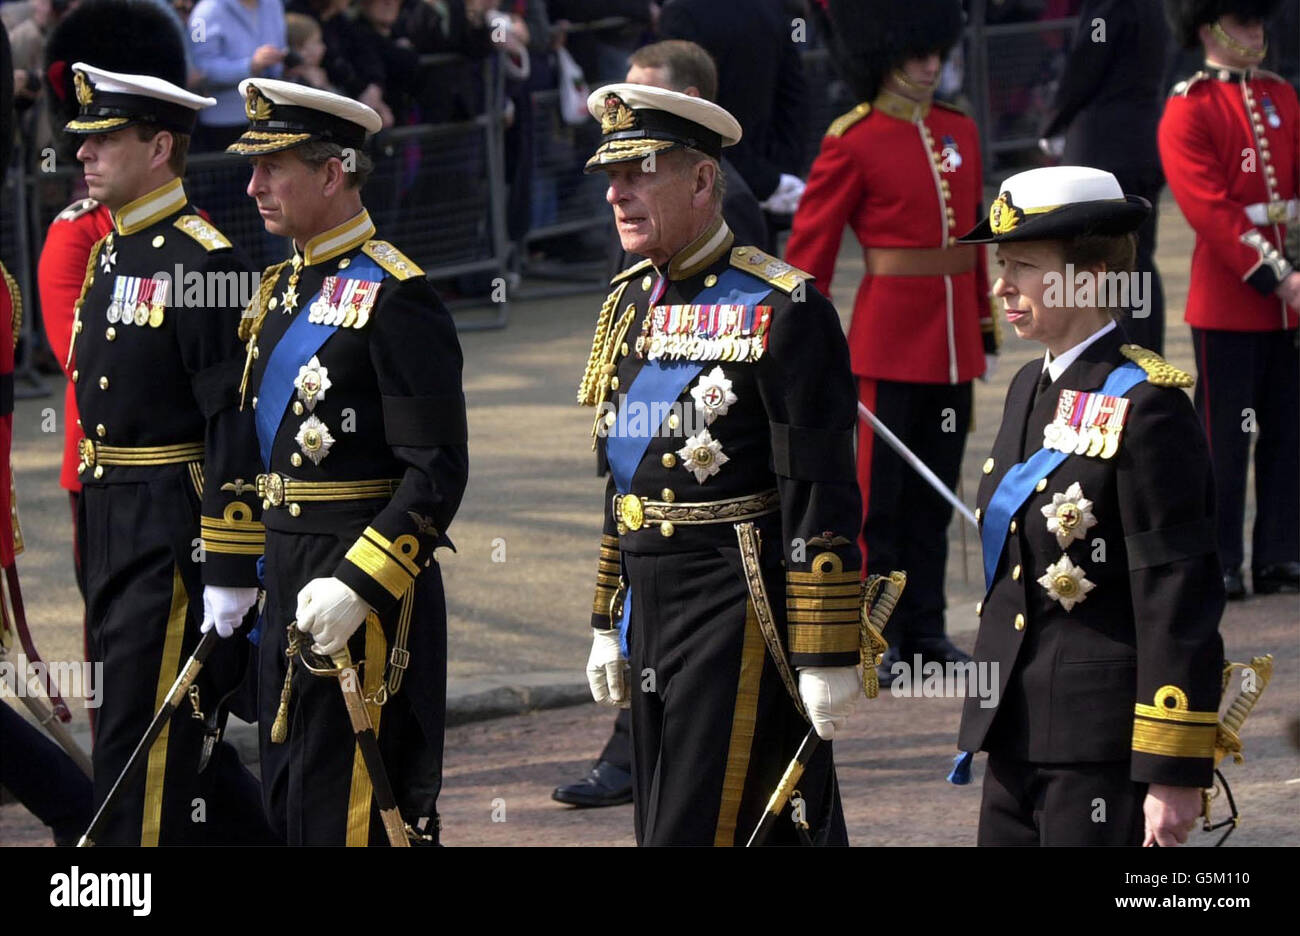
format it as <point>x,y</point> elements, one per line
<point>201,231</point>
<point>949,105</point>
<point>768,268</point>
<point>844,121</point>
<point>394,262</point>
<point>1159,371</point>
<point>1181,89</point>
<point>78,208</point>
<point>250,321</point>
<point>629,272</point>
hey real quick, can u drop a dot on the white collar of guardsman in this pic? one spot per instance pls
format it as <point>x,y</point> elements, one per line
<point>638,120</point>
<point>1057,202</point>
<point>283,115</point>
<point>110,101</point>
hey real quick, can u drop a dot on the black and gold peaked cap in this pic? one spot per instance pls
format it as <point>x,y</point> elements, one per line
<point>283,115</point>
<point>637,120</point>
<point>109,101</point>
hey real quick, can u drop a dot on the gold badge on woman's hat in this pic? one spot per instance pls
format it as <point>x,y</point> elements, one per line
<point>1003,215</point>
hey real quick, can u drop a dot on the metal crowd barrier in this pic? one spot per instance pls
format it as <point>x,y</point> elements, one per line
<point>1027,59</point>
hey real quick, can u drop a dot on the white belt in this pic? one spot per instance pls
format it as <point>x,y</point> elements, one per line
<point>1274,212</point>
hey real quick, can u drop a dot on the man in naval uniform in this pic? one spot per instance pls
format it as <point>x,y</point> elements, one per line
<point>163,510</point>
<point>1100,621</point>
<point>725,407</point>
<point>353,378</point>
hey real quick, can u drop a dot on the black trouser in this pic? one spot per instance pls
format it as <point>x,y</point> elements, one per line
<point>1147,331</point>
<point>713,728</point>
<point>1060,804</point>
<point>1248,387</point>
<point>618,749</point>
<point>314,784</point>
<point>143,609</point>
<point>44,778</point>
<point>905,521</point>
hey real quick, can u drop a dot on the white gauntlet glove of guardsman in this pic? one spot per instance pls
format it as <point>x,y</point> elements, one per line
<point>607,669</point>
<point>224,608</point>
<point>330,612</point>
<point>830,694</point>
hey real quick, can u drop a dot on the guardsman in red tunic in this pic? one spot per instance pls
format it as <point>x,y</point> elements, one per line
<point>1230,144</point>
<point>903,171</point>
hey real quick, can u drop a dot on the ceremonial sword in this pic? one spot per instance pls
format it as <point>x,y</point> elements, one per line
<point>367,741</point>
<point>883,593</point>
<point>919,466</point>
<point>139,757</point>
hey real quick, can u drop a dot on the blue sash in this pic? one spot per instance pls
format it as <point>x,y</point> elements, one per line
<point>659,383</point>
<point>300,341</point>
<point>1019,482</point>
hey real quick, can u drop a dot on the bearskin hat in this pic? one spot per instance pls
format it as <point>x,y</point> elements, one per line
<point>137,37</point>
<point>869,37</point>
<point>1186,17</point>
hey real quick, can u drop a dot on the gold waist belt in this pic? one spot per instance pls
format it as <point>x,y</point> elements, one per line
<point>276,490</point>
<point>94,455</point>
<point>633,512</point>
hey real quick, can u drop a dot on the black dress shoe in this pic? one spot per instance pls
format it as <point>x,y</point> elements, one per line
<point>1279,577</point>
<point>606,785</point>
<point>1234,588</point>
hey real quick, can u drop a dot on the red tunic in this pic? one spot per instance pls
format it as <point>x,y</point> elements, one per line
<point>883,175</point>
<point>60,274</point>
<point>1223,157</point>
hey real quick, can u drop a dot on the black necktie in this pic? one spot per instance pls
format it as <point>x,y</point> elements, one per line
<point>1044,382</point>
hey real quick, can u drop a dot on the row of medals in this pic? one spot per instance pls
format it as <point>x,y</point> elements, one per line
<point>1092,441</point>
<point>145,313</point>
<point>352,310</point>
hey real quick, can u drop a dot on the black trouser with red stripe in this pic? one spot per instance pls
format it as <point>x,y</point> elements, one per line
<point>905,521</point>
<point>713,728</point>
<point>1248,388</point>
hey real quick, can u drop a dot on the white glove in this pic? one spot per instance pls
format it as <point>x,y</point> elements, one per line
<point>330,612</point>
<point>607,670</point>
<point>785,199</point>
<point>1053,147</point>
<point>990,367</point>
<point>224,608</point>
<point>829,693</point>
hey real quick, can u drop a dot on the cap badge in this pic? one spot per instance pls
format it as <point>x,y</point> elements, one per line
<point>256,106</point>
<point>85,90</point>
<point>617,115</point>
<point>1003,215</point>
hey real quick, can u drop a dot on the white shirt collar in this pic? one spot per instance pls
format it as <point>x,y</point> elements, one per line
<point>1056,366</point>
